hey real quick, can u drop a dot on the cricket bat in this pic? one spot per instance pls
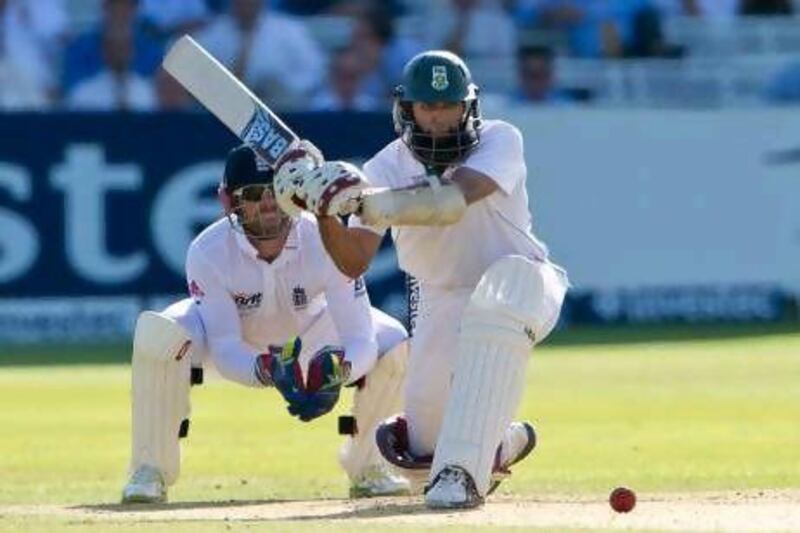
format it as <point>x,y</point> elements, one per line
<point>229,100</point>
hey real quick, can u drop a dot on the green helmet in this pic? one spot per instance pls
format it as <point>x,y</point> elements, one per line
<point>437,76</point>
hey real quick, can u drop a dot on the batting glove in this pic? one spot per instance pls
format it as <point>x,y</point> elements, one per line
<point>291,170</point>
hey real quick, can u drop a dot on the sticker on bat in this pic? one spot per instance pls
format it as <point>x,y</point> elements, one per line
<point>263,134</point>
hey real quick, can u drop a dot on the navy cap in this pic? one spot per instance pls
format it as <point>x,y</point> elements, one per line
<point>244,167</point>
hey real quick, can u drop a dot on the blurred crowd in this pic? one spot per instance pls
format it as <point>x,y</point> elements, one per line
<point>332,54</point>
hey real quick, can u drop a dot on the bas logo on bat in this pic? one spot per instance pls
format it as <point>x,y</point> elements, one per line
<point>262,133</point>
<point>228,99</point>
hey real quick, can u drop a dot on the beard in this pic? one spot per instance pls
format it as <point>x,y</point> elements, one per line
<point>264,227</point>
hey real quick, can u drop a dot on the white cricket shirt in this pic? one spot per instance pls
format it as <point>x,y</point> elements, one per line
<point>247,304</point>
<point>456,256</point>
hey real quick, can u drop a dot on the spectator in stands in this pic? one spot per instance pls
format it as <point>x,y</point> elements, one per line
<point>117,87</point>
<point>218,6</point>
<point>536,78</point>
<point>765,7</point>
<point>589,25</point>
<point>471,28</point>
<point>710,9</point>
<point>344,89</point>
<point>382,54</point>
<point>272,53</point>
<point>172,18</point>
<point>45,21</point>
<point>304,8</point>
<point>598,28</point>
<point>643,33</point>
<point>26,76</point>
<point>724,9</point>
<point>785,86</point>
<point>355,8</point>
<point>84,56</point>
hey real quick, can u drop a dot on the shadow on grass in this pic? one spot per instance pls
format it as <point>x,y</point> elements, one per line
<point>630,334</point>
<point>11,355</point>
<point>347,509</point>
<point>382,510</point>
<point>155,507</point>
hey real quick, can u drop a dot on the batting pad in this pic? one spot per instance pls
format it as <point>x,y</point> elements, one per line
<point>489,375</point>
<point>380,397</point>
<point>161,367</point>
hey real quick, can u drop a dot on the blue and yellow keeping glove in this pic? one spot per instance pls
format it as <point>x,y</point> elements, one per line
<point>327,373</point>
<point>280,367</point>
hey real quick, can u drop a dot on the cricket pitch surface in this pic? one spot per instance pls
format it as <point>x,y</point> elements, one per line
<point>764,510</point>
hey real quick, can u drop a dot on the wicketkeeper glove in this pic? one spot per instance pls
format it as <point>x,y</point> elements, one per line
<point>327,373</point>
<point>280,367</point>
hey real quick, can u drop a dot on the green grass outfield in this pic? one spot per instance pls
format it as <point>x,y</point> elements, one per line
<point>660,410</point>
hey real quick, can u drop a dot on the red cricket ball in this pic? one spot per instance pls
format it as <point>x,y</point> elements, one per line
<point>622,499</point>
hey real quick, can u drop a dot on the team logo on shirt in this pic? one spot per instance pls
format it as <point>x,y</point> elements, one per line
<point>439,78</point>
<point>246,301</point>
<point>299,297</point>
<point>195,291</point>
<point>412,303</point>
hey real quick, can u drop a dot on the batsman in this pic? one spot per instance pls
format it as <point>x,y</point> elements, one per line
<point>452,189</point>
<point>271,310</point>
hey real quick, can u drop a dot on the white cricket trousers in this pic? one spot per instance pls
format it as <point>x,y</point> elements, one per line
<point>433,350</point>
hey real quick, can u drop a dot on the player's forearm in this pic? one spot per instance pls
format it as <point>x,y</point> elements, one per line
<point>234,361</point>
<point>362,355</point>
<point>437,205</point>
<point>419,206</point>
<point>344,247</point>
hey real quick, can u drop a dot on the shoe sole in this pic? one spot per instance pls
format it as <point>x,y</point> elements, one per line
<point>143,499</point>
<point>454,506</point>
<point>526,451</point>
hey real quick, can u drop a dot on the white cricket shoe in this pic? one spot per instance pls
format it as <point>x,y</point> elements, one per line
<point>379,480</point>
<point>145,486</point>
<point>518,442</point>
<point>452,488</point>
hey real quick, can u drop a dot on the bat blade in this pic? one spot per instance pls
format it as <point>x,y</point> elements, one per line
<point>228,99</point>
